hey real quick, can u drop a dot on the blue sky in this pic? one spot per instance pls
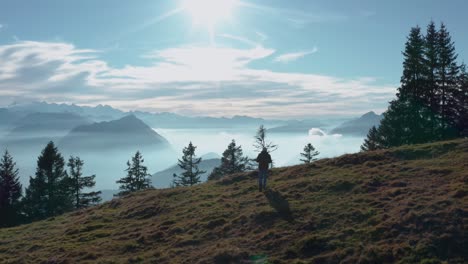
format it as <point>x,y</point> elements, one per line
<point>281,59</point>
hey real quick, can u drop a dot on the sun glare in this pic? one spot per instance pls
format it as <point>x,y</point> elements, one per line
<point>209,12</point>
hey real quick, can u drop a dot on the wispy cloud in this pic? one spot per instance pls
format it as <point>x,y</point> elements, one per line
<point>289,57</point>
<point>215,81</point>
<point>299,18</point>
<point>150,22</point>
<point>240,39</point>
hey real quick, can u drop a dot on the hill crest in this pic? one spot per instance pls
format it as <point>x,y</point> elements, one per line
<point>404,205</point>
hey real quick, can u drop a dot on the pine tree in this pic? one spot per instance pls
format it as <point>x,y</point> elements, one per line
<point>137,176</point>
<point>412,80</point>
<point>408,119</point>
<point>78,182</point>
<point>372,142</point>
<point>10,192</point>
<point>431,60</point>
<point>261,142</point>
<point>309,154</point>
<point>447,75</point>
<point>406,122</point>
<point>232,161</point>
<point>48,194</point>
<point>431,57</point>
<point>462,102</point>
<point>189,164</point>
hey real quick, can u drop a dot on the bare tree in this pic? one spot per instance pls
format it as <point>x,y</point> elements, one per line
<point>261,141</point>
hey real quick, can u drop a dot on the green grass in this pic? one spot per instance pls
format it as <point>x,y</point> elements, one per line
<point>406,205</point>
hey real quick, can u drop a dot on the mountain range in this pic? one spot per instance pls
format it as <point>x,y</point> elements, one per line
<point>99,113</point>
<point>157,120</point>
<point>36,129</point>
<point>96,113</point>
<point>359,126</point>
<point>296,126</point>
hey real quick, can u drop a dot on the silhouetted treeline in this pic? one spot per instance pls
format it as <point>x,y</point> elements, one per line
<point>52,191</point>
<point>432,101</point>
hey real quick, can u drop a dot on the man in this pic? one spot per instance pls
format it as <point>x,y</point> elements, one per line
<point>264,160</point>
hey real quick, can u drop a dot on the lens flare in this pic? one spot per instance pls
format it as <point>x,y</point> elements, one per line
<point>209,12</point>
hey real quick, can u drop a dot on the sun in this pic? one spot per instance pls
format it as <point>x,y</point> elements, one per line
<point>209,12</point>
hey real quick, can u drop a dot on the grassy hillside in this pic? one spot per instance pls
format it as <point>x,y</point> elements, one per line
<point>405,205</point>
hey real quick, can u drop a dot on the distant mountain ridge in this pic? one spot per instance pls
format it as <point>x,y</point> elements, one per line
<point>128,131</point>
<point>359,126</point>
<point>159,120</point>
<point>37,122</point>
<point>97,113</point>
<point>7,118</point>
<point>296,126</point>
<point>37,129</point>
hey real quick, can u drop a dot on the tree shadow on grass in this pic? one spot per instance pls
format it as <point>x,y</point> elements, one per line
<point>279,203</point>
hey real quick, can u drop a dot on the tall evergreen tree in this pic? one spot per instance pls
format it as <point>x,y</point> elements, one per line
<point>412,80</point>
<point>10,192</point>
<point>431,60</point>
<point>407,119</point>
<point>372,142</point>
<point>462,102</point>
<point>78,182</point>
<point>429,102</point>
<point>447,75</point>
<point>137,176</point>
<point>405,122</point>
<point>48,194</point>
<point>189,164</point>
<point>232,161</point>
<point>309,154</point>
<point>431,57</point>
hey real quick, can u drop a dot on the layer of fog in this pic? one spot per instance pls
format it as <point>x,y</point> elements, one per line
<point>109,166</point>
<point>289,144</point>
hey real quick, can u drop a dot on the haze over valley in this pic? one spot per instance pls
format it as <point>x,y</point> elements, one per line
<point>105,138</point>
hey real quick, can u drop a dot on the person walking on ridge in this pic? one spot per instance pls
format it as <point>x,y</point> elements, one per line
<point>264,160</point>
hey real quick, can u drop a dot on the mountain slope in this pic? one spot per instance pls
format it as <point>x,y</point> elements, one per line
<point>7,118</point>
<point>40,123</point>
<point>359,126</point>
<point>128,131</point>
<point>406,205</point>
<point>37,129</point>
<point>301,127</point>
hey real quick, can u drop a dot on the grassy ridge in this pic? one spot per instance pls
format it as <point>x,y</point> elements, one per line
<point>406,205</point>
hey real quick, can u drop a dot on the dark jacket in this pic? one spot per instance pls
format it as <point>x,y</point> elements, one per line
<point>264,160</point>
